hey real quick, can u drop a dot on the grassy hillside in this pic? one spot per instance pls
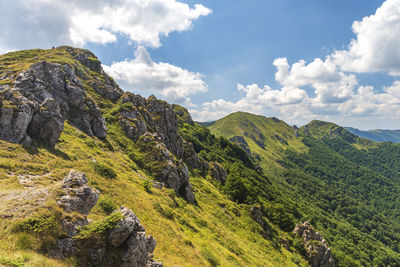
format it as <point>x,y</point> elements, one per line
<point>344,185</point>
<point>216,231</point>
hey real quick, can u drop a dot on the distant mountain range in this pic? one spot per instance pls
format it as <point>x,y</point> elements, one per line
<point>377,135</point>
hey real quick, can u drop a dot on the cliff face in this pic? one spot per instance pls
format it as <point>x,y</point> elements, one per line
<point>38,100</point>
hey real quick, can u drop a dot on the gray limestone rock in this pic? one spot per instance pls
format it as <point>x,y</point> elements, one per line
<point>79,197</point>
<point>41,99</point>
<point>124,245</point>
<point>318,252</point>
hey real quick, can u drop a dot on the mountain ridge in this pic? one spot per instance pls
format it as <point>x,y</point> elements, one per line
<point>377,135</point>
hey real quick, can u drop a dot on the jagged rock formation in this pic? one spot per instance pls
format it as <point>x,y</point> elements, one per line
<point>192,159</point>
<point>154,121</point>
<point>41,99</point>
<point>106,87</point>
<point>126,244</point>
<point>318,252</point>
<point>151,115</point>
<point>79,197</point>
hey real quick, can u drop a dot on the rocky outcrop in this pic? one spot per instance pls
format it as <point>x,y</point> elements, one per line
<point>154,125</point>
<point>106,87</point>
<point>183,114</point>
<point>217,172</point>
<point>79,197</point>
<point>125,244</point>
<point>258,216</point>
<point>41,99</point>
<point>318,252</point>
<point>239,140</point>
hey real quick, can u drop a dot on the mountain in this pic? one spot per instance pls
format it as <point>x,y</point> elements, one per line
<point>345,186</point>
<point>94,176</point>
<point>377,135</point>
<point>91,175</point>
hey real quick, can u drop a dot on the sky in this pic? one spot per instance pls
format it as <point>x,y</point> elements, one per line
<point>297,60</point>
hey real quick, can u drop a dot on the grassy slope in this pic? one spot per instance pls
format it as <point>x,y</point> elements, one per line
<point>217,231</point>
<point>317,173</point>
<point>240,123</point>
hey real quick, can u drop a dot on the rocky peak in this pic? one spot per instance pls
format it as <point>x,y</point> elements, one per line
<point>105,86</point>
<point>318,252</point>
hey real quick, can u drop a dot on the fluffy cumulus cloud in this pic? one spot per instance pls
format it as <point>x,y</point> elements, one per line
<point>328,88</point>
<point>141,74</point>
<point>377,43</point>
<point>143,21</point>
<point>47,23</point>
<point>44,23</point>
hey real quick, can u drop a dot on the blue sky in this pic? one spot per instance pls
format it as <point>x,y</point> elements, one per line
<point>238,42</point>
<point>217,57</point>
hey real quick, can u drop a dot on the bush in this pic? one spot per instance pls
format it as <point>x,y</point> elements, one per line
<point>35,225</point>
<point>147,186</point>
<point>236,189</point>
<point>97,229</point>
<point>104,171</point>
<point>107,205</point>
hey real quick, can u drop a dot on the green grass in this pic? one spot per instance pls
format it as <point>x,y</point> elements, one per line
<point>346,186</point>
<point>181,230</point>
<point>215,231</point>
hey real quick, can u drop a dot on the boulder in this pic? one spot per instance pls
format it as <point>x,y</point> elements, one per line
<point>79,197</point>
<point>125,227</point>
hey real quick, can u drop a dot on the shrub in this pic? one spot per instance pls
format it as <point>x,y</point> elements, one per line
<point>97,229</point>
<point>35,225</point>
<point>104,171</point>
<point>147,186</point>
<point>107,205</point>
<point>236,189</point>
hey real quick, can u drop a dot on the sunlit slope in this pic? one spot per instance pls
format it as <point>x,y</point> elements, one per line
<point>341,183</point>
<point>213,232</point>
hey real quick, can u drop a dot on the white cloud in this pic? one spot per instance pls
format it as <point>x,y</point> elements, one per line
<point>43,23</point>
<point>143,21</point>
<point>324,89</point>
<point>330,84</point>
<point>141,74</point>
<point>376,47</point>
<point>257,100</point>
